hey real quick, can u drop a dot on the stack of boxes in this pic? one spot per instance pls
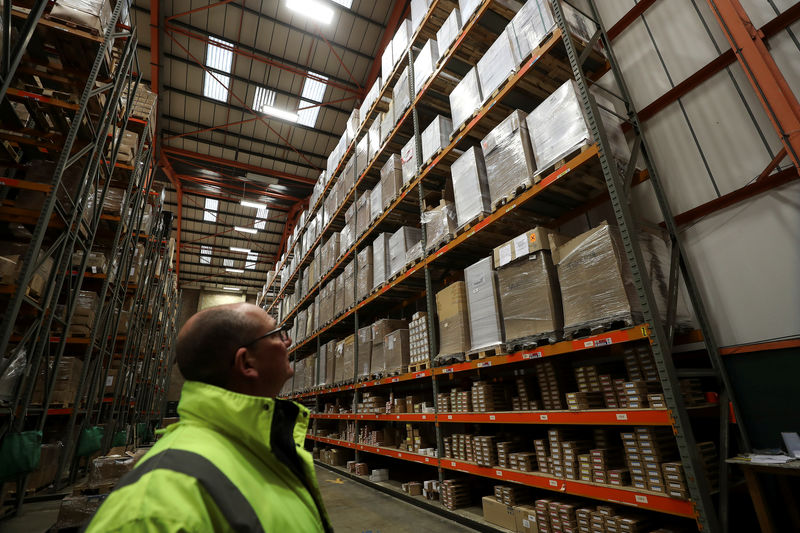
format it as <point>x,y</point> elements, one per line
<point>451,307</point>
<point>396,351</point>
<point>418,339</point>
<point>646,449</point>
<point>524,400</point>
<point>485,319</point>
<point>455,493</point>
<point>488,398</point>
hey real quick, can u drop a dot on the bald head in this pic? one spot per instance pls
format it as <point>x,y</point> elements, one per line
<point>208,341</point>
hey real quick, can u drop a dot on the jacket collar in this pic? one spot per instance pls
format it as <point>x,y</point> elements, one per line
<point>243,418</point>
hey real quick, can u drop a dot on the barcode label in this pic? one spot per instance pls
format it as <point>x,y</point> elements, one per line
<point>491,417</point>
<point>640,498</point>
<point>553,483</point>
<point>622,416</point>
<point>484,364</point>
<point>543,417</point>
<point>499,473</point>
<point>532,355</point>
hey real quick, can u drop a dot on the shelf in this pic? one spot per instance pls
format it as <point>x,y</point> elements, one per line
<point>53,24</point>
<point>25,184</point>
<point>629,496</point>
<point>601,417</point>
<point>635,333</point>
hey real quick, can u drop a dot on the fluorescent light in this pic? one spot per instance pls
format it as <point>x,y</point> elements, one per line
<point>312,9</point>
<point>235,270</point>
<point>243,250</point>
<point>230,288</point>
<point>257,205</point>
<point>245,230</point>
<point>279,113</point>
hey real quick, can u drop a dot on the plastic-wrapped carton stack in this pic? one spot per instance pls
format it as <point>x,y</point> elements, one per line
<point>485,319</point>
<point>400,95</point>
<point>497,64</point>
<point>375,202</point>
<point>380,329</point>
<point>508,156</point>
<point>451,307</point>
<point>470,186</point>
<point>418,339</point>
<point>362,155</point>
<point>330,363</point>
<point>400,243</point>
<point>465,98</point>
<point>424,64</point>
<point>535,20</point>
<point>408,161</point>
<point>380,259</point>
<point>365,273</point>
<point>436,136</point>
<point>391,179</point>
<point>440,223</point>
<point>364,351</point>
<point>396,351</point>
<point>529,292</point>
<point>449,31</point>
<point>362,213</point>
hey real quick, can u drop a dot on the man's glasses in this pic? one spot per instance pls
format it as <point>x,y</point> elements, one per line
<point>283,331</point>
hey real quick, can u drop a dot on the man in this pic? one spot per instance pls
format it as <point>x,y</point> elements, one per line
<point>235,461</point>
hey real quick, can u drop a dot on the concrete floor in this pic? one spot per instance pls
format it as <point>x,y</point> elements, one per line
<point>352,507</point>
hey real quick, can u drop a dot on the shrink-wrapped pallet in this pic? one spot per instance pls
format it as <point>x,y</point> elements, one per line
<point>387,63</point>
<point>300,326</point>
<point>94,14</point>
<point>508,156</point>
<point>364,351</point>
<point>369,99</point>
<point>436,136</point>
<point>310,320</point>
<point>376,202</point>
<point>485,319</point>
<point>327,302</point>
<point>424,64</point>
<point>535,21</point>
<point>387,122</point>
<point>330,252</point>
<point>346,236</point>
<point>362,156</point>
<point>338,364</point>
<point>401,97</point>
<point>380,259</point>
<point>401,242</point>
<point>362,213</point>
<point>310,371</point>
<point>349,285</point>
<point>419,8</point>
<point>408,161</point>
<point>338,295</point>
<point>391,179</point>
<point>466,98</point>
<point>348,178</point>
<point>470,186</point>
<point>558,126</point>
<point>330,365</point>
<point>351,127</point>
<point>448,32</point>
<point>375,139</point>
<point>322,373</point>
<point>396,351</point>
<point>348,359</point>
<point>365,271</point>
<point>400,40</point>
<point>380,329</point>
<point>440,224</point>
<point>497,64</point>
<point>451,308</point>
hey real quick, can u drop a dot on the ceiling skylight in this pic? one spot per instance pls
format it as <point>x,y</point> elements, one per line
<point>218,58</point>
<point>261,219</point>
<point>211,207</point>
<point>205,255</point>
<point>263,97</point>
<point>252,259</point>
<point>313,93</point>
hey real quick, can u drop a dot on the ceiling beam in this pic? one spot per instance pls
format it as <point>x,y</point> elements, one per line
<point>229,213</point>
<point>239,165</point>
<point>228,184</point>
<point>206,194</point>
<point>239,243</point>
<point>266,232</point>
<point>246,111</point>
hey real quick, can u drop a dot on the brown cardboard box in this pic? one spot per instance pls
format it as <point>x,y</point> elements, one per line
<point>348,357</point>
<point>364,351</point>
<point>76,511</point>
<point>451,307</point>
<point>531,241</point>
<point>525,518</point>
<point>396,351</point>
<point>365,273</point>
<point>105,471</point>
<point>45,474</point>
<point>498,513</point>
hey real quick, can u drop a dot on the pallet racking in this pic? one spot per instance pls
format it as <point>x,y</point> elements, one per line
<point>556,59</point>
<point>69,107</point>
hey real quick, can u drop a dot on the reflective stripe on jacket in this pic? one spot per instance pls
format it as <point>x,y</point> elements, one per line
<point>255,443</point>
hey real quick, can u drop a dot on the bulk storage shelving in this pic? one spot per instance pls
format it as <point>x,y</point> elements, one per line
<point>72,104</point>
<point>557,198</point>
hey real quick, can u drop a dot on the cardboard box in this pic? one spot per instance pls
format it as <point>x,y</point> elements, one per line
<point>465,98</point>
<point>401,242</point>
<point>448,32</point>
<point>485,318</point>
<point>365,273</point>
<point>508,156</point>
<point>440,223</point>
<point>470,186</point>
<point>380,259</point>
<point>77,511</point>
<point>408,161</point>
<point>531,241</point>
<point>364,351</point>
<point>391,179</point>
<point>498,513</point>
<point>380,329</point>
<point>401,97</point>
<point>425,63</point>
<point>451,308</point>
<point>436,136</point>
<point>375,202</point>
<point>396,351</point>
<point>497,64</point>
<point>330,363</point>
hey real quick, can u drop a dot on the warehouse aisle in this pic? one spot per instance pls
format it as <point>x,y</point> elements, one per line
<point>354,507</point>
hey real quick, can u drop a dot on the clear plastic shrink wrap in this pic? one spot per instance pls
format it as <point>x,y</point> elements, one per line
<point>338,372</point>
<point>451,308</point>
<point>346,237</point>
<point>449,31</point>
<point>400,242</point>
<point>391,179</point>
<point>365,270</point>
<point>440,224</point>
<point>380,329</point>
<point>387,62</point>
<point>380,259</point>
<point>351,127</point>
<point>317,310</point>
<point>396,351</point>
<point>362,213</point>
<point>470,186</point>
<point>94,14</point>
<point>322,375</point>
<point>485,320</point>
<point>326,302</point>
<point>497,64</point>
<point>364,351</point>
<point>467,8</point>
<point>400,40</point>
<point>362,155</point>
<point>387,122</point>
<point>558,126</point>
<point>424,64</point>
<point>408,161</point>
<point>348,179</point>
<point>300,326</point>
<point>330,365</point>
<point>508,156</point>
<point>465,98</point>
<point>436,136</point>
<point>349,284</point>
<point>418,10</point>
<point>375,202</point>
<point>348,358</point>
<point>330,252</point>
<point>311,324</point>
<point>400,95</point>
<point>369,99</point>
<point>375,139</point>
<point>311,368</point>
<point>535,20</point>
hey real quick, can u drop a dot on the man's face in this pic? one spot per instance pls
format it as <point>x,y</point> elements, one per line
<point>272,357</point>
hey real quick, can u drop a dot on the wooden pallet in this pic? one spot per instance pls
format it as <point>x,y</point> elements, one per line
<point>449,359</point>
<point>471,224</point>
<point>457,131</point>
<point>497,349</point>
<point>533,341</point>
<point>72,24</point>
<point>418,367</point>
<point>511,195</point>
<point>600,326</point>
<point>544,171</point>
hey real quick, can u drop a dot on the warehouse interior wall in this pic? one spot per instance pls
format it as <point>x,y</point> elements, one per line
<point>715,140</point>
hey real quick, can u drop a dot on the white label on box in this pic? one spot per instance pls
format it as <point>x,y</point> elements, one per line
<point>520,246</point>
<point>525,523</point>
<point>504,255</point>
<point>641,499</point>
<point>109,381</point>
<point>94,270</point>
<point>543,417</point>
<point>553,483</point>
<point>622,416</point>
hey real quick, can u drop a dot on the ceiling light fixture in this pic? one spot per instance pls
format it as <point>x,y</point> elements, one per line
<point>231,288</point>
<point>312,9</point>
<point>243,250</point>
<point>279,113</point>
<point>245,230</point>
<point>235,270</point>
<point>257,205</point>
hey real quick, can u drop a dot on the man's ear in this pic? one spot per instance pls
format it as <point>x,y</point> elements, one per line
<point>244,364</point>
